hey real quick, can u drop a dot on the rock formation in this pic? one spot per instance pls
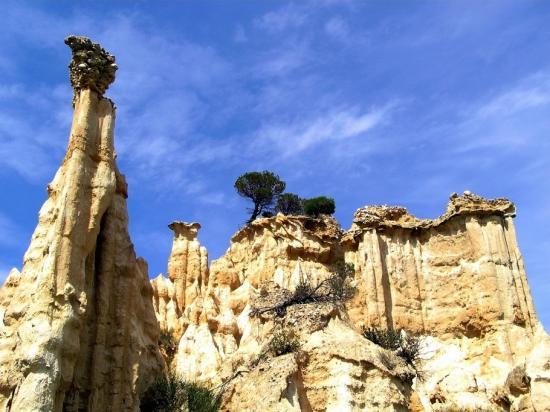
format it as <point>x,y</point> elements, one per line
<point>78,330</point>
<point>187,277</point>
<point>457,281</point>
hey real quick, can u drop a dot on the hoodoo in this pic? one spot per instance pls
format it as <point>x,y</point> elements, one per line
<point>457,282</point>
<point>78,329</point>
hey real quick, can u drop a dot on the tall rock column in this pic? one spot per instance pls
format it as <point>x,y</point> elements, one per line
<point>78,330</point>
<point>187,278</point>
<point>188,263</point>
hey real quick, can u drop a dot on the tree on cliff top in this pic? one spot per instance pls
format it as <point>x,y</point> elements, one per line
<point>289,204</point>
<point>260,187</point>
<point>321,205</point>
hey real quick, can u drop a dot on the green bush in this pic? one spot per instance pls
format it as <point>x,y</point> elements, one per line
<point>168,343</point>
<point>201,399</point>
<point>406,346</point>
<point>388,339</point>
<point>339,283</point>
<point>170,394</point>
<point>321,205</point>
<point>410,349</point>
<point>283,341</point>
<point>289,204</point>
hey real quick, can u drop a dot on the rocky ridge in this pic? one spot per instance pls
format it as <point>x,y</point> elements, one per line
<point>457,281</point>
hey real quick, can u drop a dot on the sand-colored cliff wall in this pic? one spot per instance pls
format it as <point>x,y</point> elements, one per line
<point>458,281</point>
<point>77,325</point>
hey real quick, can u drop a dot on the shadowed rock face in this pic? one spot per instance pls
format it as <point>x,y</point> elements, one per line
<point>457,280</point>
<point>78,330</point>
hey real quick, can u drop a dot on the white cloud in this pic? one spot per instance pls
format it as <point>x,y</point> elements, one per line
<point>533,92</point>
<point>30,134</point>
<point>338,28</point>
<point>287,17</point>
<point>215,198</point>
<point>163,90</point>
<point>515,117</point>
<point>338,124</point>
<point>283,60</point>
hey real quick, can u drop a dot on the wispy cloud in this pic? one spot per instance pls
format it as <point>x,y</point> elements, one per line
<point>516,116</point>
<point>301,88</point>
<point>338,28</point>
<point>283,60</point>
<point>284,18</point>
<point>337,124</point>
<point>533,92</point>
<point>30,134</point>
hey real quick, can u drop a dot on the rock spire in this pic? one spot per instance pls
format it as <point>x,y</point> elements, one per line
<point>77,326</point>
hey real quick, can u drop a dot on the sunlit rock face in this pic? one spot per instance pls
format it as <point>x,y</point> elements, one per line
<point>78,330</point>
<point>187,278</point>
<point>458,281</point>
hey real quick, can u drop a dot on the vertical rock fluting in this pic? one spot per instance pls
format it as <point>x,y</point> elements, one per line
<point>461,273</point>
<point>458,281</point>
<point>78,329</point>
<point>221,344</point>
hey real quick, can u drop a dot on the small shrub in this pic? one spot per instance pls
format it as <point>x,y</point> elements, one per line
<point>304,292</point>
<point>339,284</point>
<point>289,204</point>
<point>171,394</point>
<point>321,205</point>
<point>164,395</point>
<point>407,347</point>
<point>388,339</point>
<point>201,399</point>
<point>283,341</point>
<point>168,343</point>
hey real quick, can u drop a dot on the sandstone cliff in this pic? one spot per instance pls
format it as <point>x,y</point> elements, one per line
<point>458,281</point>
<point>78,330</point>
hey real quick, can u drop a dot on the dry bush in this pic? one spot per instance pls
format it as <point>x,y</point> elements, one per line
<point>283,341</point>
<point>335,289</point>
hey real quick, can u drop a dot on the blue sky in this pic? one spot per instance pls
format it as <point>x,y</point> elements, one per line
<point>370,102</point>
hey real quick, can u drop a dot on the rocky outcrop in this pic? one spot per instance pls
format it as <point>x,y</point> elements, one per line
<point>335,369</point>
<point>77,326</point>
<point>457,281</point>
